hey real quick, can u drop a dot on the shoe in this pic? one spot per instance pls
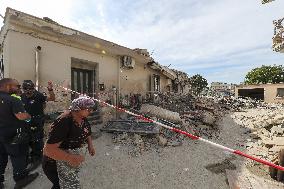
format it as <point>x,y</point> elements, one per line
<point>34,165</point>
<point>1,185</point>
<point>25,181</point>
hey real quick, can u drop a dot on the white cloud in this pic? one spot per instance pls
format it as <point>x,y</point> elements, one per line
<point>60,11</point>
<point>220,39</point>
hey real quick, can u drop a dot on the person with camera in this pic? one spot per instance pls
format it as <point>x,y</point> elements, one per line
<point>13,142</point>
<point>35,103</point>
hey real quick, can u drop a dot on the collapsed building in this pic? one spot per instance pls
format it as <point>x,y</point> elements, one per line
<point>222,89</point>
<point>40,49</point>
<point>270,93</point>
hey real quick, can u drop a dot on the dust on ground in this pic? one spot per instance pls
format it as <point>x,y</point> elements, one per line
<point>193,164</point>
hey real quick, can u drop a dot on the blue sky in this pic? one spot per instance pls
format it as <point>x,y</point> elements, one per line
<point>220,39</point>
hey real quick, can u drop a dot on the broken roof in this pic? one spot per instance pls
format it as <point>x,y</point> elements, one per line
<point>162,69</point>
<point>260,85</point>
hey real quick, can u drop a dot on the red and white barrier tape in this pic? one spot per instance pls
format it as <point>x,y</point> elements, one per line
<point>186,133</point>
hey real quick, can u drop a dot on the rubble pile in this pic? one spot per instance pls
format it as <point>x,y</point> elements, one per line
<point>196,115</point>
<point>159,112</point>
<point>265,126</point>
<point>239,104</point>
<point>199,116</point>
<point>135,144</point>
<point>191,108</point>
<point>176,102</point>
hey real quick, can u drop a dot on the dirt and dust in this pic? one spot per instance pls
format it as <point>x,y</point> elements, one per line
<point>187,166</point>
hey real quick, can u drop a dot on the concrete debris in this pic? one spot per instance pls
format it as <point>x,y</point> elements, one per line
<point>261,122</point>
<point>254,135</point>
<point>264,118</point>
<point>162,140</point>
<point>135,144</point>
<point>185,169</point>
<point>158,112</point>
<point>196,115</point>
<point>275,149</point>
<point>174,143</point>
<point>131,126</point>
<point>242,178</point>
<point>116,147</point>
<point>192,108</point>
<point>277,174</point>
<point>279,141</point>
<point>208,118</point>
<point>278,130</point>
<point>267,125</point>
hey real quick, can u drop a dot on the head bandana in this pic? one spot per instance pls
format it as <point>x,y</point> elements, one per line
<point>82,103</point>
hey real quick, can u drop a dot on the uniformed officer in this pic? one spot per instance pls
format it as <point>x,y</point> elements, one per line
<point>34,103</point>
<point>12,116</point>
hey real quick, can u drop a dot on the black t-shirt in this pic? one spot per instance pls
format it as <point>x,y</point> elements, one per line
<point>9,106</point>
<point>34,104</point>
<point>69,133</point>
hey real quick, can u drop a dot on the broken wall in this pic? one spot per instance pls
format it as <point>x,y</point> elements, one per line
<point>137,80</point>
<point>270,91</point>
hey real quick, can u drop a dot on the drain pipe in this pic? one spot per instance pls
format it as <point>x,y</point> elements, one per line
<point>118,86</point>
<point>118,82</point>
<point>37,50</point>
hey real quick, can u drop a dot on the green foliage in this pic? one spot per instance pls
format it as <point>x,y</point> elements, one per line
<point>198,84</point>
<point>265,74</point>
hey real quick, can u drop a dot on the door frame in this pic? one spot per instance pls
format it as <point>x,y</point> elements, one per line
<point>81,64</point>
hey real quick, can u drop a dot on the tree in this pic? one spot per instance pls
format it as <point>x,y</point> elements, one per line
<point>265,74</point>
<point>266,1</point>
<point>198,84</point>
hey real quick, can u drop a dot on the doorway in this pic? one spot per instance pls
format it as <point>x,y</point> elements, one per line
<point>257,93</point>
<point>82,81</point>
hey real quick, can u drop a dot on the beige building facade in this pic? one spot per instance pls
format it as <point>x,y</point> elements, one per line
<point>42,50</point>
<point>270,93</point>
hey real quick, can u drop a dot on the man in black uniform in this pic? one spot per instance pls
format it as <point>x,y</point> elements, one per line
<point>12,114</point>
<point>34,103</point>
